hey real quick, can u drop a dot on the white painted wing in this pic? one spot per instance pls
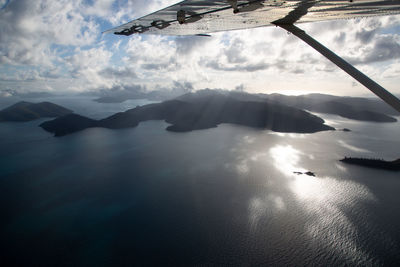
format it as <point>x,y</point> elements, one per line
<point>202,16</point>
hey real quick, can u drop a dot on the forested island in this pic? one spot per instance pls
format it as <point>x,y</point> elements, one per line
<point>374,163</point>
<point>27,111</point>
<point>355,108</point>
<point>195,112</point>
<point>208,108</point>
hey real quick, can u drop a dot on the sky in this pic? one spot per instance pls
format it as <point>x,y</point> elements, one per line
<point>57,46</point>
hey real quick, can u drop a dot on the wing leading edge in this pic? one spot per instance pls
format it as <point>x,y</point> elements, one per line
<point>194,17</point>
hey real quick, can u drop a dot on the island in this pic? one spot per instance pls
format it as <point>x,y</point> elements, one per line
<point>374,163</point>
<point>199,111</point>
<point>355,108</point>
<point>309,173</point>
<point>27,111</point>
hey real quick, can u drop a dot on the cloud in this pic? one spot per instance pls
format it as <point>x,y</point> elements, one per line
<point>121,11</point>
<point>30,29</point>
<point>59,44</point>
<point>234,53</point>
<point>384,47</point>
<point>182,87</point>
<point>118,72</point>
<point>240,88</point>
<point>340,38</point>
<point>252,67</point>
<point>88,66</point>
<point>123,92</point>
<point>3,3</point>
<point>187,44</point>
<point>162,66</point>
<point>392,71</point>
<point>152,53</point>
<point>8,93</point>
<point>365,36</point>
<point>100,8</point>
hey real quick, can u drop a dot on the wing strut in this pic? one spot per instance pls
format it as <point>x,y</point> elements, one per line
<point>344,65</point>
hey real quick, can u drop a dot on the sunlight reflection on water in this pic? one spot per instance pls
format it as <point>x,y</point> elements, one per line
<point>322,200</point>
<point>291,135</point>
<point>286,159</point>
<point>351,147</point>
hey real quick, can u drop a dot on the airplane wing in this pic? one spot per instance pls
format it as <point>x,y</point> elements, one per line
<point>198,17</point>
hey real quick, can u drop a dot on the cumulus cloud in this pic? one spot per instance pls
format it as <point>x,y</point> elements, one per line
<point>118,72</point>
<point>10,93</point>
<point>88,67</point>
<point>188,44</point>
<point>60,42</point>
<point>235,52</point>
<point>122,11</point>
<point>217,65</point>
<point>3,3</point>
<point>30,29</point>
<point>383,48</point>
<point>150,52</point>
<point>123,92</point>
<point>240,88</point>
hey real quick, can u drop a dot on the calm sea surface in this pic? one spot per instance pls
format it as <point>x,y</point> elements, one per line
<point>222,196</point>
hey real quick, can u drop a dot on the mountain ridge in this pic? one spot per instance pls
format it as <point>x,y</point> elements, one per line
<point>26,111</point>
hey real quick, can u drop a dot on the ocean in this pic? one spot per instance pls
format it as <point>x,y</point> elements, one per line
<point>217,197</point>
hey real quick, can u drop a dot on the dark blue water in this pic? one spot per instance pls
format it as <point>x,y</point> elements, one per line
<point>223,196</point>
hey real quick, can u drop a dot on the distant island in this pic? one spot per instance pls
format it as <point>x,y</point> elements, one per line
<point>355,108</point>
<point>27,111</point>
<point>119,94</point>
<point>309,173</point>
<point>374,163</point>
<point>200,111</point>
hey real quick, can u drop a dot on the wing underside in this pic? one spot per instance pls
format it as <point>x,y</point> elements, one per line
<point>202,16</point>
